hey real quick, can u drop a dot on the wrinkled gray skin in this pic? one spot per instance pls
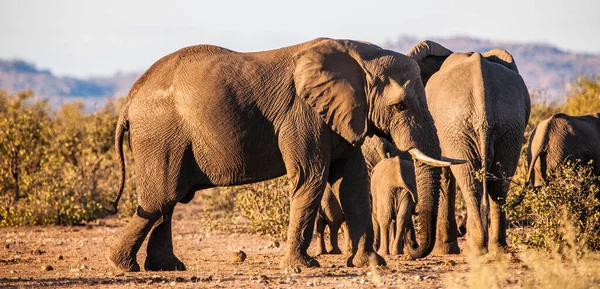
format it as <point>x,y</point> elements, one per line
<point>374,150</point>
<point>206,116</point>
<point>480,106</point>
<point>394,198</point>
<point>330,215</point>
<point>563,138</point>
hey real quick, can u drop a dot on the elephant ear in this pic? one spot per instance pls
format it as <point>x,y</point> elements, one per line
<point>430,56</point>
<point>501,56</point>
<point>407,178</point>
<point>331,81</point>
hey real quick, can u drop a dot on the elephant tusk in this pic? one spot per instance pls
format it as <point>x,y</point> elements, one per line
<point>453,161</point>
<point>445,162</point>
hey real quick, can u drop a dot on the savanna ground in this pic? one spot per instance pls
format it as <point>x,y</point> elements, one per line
<point>57,176</point>
<point>73,256</point>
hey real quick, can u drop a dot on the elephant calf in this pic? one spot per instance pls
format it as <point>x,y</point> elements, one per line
<point>375,149</point>
<point>563,138</point>
<point>394,197</point>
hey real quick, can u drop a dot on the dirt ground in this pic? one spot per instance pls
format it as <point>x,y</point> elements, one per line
<point>59,257</point>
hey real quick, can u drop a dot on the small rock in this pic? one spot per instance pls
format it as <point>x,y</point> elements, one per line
<point>47,268</point>
<point>263,279</point>
<point>120,274</point>
<point>194,279</point>
<point>292,270</point>
<point>207,279</point>
<point>12,272</point>
<point>418,278</point>
<point>84,267</point>
<point>7,246</point>
<point>274,244</point>
<point>309,283</point>
<point>60,257</point>
<point>173,283</point>
<point>332,266</point>
<point>37,252</point>
<point>450,263</point>
<point>179,279</point>
<point>84,259</point>
<point>238,257</point>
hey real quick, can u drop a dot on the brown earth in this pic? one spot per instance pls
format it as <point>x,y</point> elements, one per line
<point>59,257</point>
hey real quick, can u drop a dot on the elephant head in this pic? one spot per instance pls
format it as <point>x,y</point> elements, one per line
<point>431,56</point>
<point>360,89</point>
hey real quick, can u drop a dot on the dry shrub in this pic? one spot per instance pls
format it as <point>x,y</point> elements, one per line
<point>56,167</point>
<point>266,205</point>
<point>570,196</point>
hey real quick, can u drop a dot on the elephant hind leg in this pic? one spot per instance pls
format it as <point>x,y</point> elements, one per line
<point>446,235</point>
<point>503,166</point>
<point>320,224</point>
<point>160,256</point>
<point>122,254</point>
<point>334,229</point>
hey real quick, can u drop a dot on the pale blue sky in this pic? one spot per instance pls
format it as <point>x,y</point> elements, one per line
<point>83,38</point>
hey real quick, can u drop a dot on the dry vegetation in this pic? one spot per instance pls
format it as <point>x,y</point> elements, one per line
<point>58,167</point>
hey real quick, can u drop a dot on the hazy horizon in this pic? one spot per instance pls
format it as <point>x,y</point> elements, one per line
<point>96,38</point>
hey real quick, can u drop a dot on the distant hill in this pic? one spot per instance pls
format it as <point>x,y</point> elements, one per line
<point>542,66</point>
<point>18,75</point>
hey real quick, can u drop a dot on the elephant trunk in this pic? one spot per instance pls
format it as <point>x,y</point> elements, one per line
<point>427,155</point>
<point>428,186</point>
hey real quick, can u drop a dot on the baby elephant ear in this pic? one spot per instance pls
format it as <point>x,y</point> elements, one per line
<point>332,82</point>
<point>407,178</point>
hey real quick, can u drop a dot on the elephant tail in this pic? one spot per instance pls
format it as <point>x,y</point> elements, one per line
<point>122,126</point>
<point>484,207</point>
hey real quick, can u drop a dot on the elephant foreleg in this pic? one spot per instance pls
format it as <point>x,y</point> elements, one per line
<point>160,256</point>
<point>122,254</point>
<point>350,177</point>
<point>446,235</point>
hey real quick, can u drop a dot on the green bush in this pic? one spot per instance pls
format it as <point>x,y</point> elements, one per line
<point>57,167</point>
<point>568,207</point>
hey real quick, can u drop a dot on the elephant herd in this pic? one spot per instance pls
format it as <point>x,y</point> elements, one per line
<point>366,136</point>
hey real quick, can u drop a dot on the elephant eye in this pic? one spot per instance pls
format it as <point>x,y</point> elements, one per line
<point>400,106</point>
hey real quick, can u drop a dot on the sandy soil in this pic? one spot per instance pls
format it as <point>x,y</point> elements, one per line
<point>59,257</point>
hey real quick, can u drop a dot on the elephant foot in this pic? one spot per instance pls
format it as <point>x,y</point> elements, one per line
<point>363,259</point>
<point>170,263</point>
<point>335,251</point>
<point>498,248</point>
<point>382,252</point>
<point>396,252</point>
<point>294,260</point>
<point>122,261</point>
<point>446,249</point>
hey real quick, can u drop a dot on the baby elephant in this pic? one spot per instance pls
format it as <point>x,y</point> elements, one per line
<point>394,197</point>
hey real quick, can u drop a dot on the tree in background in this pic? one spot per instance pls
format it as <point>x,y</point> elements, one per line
<point>584,96</point>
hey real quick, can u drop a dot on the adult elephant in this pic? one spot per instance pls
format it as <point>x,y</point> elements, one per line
<point>480,106</point>
<point>563,138</point>
<point>207,116</point>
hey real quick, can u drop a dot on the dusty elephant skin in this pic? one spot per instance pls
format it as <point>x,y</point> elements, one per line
<point>206,116</point>
<point>563,138</point>
<point>394,196</point>
<point>480,106</point>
